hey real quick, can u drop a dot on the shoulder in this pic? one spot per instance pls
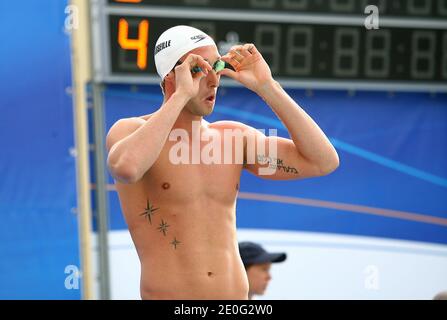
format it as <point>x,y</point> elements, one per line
<point>122,128</point>
<point>126,124</point>
<point>228,124</point>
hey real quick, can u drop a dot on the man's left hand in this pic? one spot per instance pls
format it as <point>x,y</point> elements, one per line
<point>251,70</point>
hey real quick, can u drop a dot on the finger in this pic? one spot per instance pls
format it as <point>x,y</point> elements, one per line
<point>198,76</point>
<point>195,71</point>
<point>195,60</point>
<point>245,53</point>
<point>228,58</point>
<point>198,73</point>
<point>229,73</point>
<point>239,52</point>
<point>236,47</point>
<point>251,48</point>
<point>205,65</point>
<point>247,50</point>
<point>236,57</point>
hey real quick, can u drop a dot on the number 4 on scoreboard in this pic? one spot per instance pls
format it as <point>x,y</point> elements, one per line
<point>139,44</point>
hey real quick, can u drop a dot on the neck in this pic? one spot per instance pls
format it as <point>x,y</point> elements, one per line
<point>185,119</point>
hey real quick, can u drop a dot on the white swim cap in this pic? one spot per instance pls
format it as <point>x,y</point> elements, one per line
<point>174,43</point>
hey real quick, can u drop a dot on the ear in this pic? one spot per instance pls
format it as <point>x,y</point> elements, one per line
<point>170,76</point>
<point>170,82</point>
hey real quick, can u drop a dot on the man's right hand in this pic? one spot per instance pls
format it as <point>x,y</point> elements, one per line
<point>186,82</point>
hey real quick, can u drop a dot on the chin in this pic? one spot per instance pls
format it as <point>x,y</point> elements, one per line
<point>202,113</point>
<point>208,112</point>
<point>205,111</point>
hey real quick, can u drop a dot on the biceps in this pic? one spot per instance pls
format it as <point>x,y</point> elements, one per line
<point>278,159</point>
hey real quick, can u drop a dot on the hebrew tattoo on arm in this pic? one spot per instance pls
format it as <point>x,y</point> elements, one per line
<point>276,163</point>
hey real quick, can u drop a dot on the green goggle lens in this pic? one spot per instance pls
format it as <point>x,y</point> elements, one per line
<point>219,65</point>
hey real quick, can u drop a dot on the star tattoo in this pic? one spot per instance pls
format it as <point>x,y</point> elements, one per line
<point>175,243</point>
<point>163,227</point>
<point>149,211</point>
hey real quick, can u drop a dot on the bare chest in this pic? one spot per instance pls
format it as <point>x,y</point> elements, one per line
<point>199,174</point>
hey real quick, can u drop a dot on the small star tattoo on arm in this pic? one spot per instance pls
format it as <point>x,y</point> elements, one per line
<point>149,211</point>
<point>175,243</point>
<point>163,227</point>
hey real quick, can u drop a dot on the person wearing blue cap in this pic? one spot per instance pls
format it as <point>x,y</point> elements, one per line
<point>257,262</point>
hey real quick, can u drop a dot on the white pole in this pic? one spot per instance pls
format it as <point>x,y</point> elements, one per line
<point>81,61</point>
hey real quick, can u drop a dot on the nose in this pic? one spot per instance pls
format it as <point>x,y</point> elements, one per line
<point>213,79</point>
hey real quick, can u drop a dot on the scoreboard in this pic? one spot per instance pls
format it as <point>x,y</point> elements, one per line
<point>303,41</point>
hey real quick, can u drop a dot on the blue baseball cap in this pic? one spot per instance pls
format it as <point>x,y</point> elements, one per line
<point>253,253</point>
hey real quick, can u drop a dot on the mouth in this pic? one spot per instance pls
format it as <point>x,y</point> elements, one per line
<point>210,98</point>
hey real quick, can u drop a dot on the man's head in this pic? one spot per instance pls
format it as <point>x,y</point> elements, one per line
<point>257,262</point>
<point>441,296</point>
<point>172,48</point>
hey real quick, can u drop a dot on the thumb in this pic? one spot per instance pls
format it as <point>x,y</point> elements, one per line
<point>230,73</point>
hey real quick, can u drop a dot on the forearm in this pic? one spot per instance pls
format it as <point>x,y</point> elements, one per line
<point>309,139</point>
<point>139,151</point>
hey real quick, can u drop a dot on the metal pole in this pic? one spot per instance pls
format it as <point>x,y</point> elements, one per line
<point>101,213</point>
<point>101,191</point>
<point>81,74</point>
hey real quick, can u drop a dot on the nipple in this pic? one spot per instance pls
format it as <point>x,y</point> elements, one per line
<point>165,186</point>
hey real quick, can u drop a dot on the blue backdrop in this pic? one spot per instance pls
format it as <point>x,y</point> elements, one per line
<point>38,233</point>
<point>392,179</point>
<point>392,150</point>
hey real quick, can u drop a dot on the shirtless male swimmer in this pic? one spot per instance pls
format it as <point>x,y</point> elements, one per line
<point>181,216</point>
